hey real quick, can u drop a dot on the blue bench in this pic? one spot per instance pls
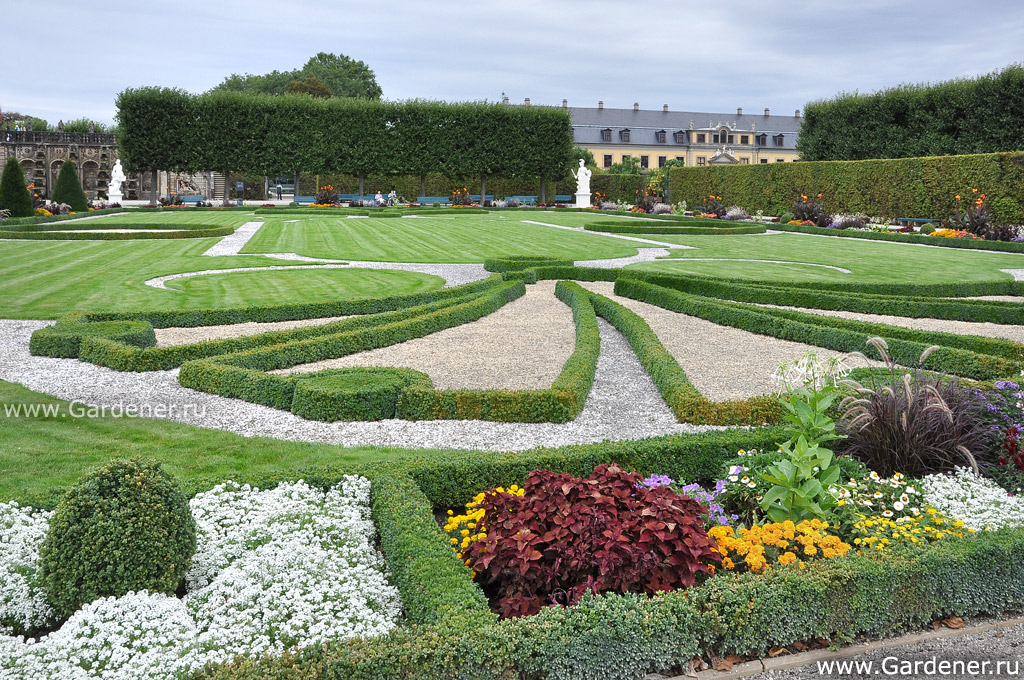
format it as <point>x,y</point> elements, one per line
<point>430,200</point>
<point>524,200</point>
<point>348,197</point>
<point>565,198</point>
<point>476,197</point>
<point>191,200</point>
<point>304,200</point>
<point>915,221</point>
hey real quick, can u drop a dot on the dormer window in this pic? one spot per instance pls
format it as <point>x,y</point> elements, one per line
<point>680,137</point>
<point>606,135</point>
<point>662,135</point>
<point>624,135</point>
<point>762,140</point>
<point>779,139</point>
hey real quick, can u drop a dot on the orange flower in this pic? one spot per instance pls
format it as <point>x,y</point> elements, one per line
<point>958,197</point>
<point>974,190</point>
<point>983,197</point>
<point>819,195</point>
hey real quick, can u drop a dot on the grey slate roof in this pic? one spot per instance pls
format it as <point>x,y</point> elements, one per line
<point>643,125</point>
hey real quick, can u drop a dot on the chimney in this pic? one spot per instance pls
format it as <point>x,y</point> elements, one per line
<point>797,114</point>
<point>527,103</point>
<point>504,99</point>
<point>636,106</point>
<point>565,103</point>
<point>665,108</point>
<point>739,111</point>
<point>600,106</point>
<point>767,112</point>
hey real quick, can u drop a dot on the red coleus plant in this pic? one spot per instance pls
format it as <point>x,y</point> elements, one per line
<point>567,536</point>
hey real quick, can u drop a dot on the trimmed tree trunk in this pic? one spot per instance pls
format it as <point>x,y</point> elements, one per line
<point>154,191</point>
<point>227,186</point>
<point>423,185</point>
<point>295,191</point>
<point>361,178</point>
<point>543,186</point>
<point>483,189</point>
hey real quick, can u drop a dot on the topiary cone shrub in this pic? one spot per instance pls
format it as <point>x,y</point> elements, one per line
<point>566,536</point>
<point>68,189</point>
<point>126,527</point>
<point>13,194</point>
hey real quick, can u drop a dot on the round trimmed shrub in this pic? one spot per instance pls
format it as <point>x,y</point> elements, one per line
<point>126,527</point>
<point>13,194</point>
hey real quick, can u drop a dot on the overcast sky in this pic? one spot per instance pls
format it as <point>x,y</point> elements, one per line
<point>65,59</point>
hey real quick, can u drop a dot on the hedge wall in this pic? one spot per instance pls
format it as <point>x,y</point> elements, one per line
<point>31,233</point>
<point>909,187</point>
<point>964,116</point>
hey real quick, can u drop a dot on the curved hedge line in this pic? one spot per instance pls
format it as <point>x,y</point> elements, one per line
<point>617,228</point>
<point>64,339</point>
<point>515,263</point>
<point>896,237</point>
<point>207,232</point>
<point>369,393</point>
<point>12,221</point>
<point>985,360</point>
<point>559,404</point>
<point>685,400</point>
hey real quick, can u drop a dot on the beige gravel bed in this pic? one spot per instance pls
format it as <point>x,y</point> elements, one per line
<point>521,346</point>
<point>989,330</point>
<point>1000,298</point>
<point>722,362</point>
<point>166,337</point>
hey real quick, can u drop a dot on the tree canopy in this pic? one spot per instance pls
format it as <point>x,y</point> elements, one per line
<point>311,86</point>
<point>343,77</point>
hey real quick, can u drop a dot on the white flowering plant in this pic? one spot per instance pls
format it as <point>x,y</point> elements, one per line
<point>275,569</point>
<point>977,501</point>
<point>23,605</point>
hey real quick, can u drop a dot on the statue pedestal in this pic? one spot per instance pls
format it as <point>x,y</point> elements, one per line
<point>582,200</point>
<point>114,197</point>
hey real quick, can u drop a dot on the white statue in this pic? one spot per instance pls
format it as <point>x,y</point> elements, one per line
<point>117,178</point>
<point>582,179</point>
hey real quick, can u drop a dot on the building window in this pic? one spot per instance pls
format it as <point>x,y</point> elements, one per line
<point>779,140</point>
<point>625,158</point>
<point>680,137</point>
<point>701,137</point>
<point>607,160</point>
<point>744,139</point>
<point>764,160</point>
<point>662,135</point>
<point>731,139</point>
<point>645,161</point>
<point>762,140</point>
<point>744,161</point>
<point>714,138</point>
<point>701,160</point>
<point>780,160</point>
<point>624,135</point>
<point>682,159</point>
<point>662,160</point>
<point>606,135</point>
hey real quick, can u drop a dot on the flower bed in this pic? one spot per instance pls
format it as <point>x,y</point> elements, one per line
<point>274,570</point>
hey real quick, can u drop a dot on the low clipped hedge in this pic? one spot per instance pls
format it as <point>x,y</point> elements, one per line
<point>243,375</point>
<point>970,244</point>
<point>520,262</point>
<point>44,219</point>
<point>353,393</point>
<point>685,400</point>
<point>905,345</point>
<point>676,228</point>
<point>196,232</point>
<point>64,339</point>
<point>559,404</point>
<point>993,311</point>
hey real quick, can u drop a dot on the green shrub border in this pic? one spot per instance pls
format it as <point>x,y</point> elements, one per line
<point>674,228</point>
<point>561,403</point>
<point>172,233</point>
<point>843,335</point>
<point>12,221</point>
<point>896,237</point>
<point>514,263</point>
<point>369,393</point>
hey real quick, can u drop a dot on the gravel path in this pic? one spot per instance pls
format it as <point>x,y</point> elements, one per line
<point>722,362</point>
<point>624,404</point>
<point>624,237</point>
<point>166,337</point>
<point>233,243</point>
<point>997,298</point>
<point>989,330</point>
<point>643,255</point>
<point>522,346</point>
<point>993,645</point>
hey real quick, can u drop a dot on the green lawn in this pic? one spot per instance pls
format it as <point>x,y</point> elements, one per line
<point>468,238</point>
<point>43,454</point>
<point>871,261</point>
<point>227,218</point>
<point>47,279</point>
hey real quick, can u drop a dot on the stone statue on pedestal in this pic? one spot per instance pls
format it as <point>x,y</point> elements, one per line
<point>117,177</point>
<point>582,177</point>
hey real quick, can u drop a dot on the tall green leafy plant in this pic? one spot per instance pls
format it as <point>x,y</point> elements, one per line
<point>68,189</point>
<point>13,194</point>
<point>805,479</point>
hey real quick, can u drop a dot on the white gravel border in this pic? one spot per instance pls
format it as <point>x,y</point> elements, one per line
<point>623,405</point>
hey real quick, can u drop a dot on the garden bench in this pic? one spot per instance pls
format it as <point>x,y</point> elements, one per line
<point>348,197</point>
<point>430,200</point>
<point>524,200</point>
<point>304,200</point>
<point>192,200</point>
<point>915,221</point>
<point>565,198</point>
<point>476,197</point>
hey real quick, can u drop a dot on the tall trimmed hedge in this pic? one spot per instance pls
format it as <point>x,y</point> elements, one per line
<point>231,131</point>
<point>68,189</point>
<point>909,187</point>
<point>13,195</point>
<point>964,116</point>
